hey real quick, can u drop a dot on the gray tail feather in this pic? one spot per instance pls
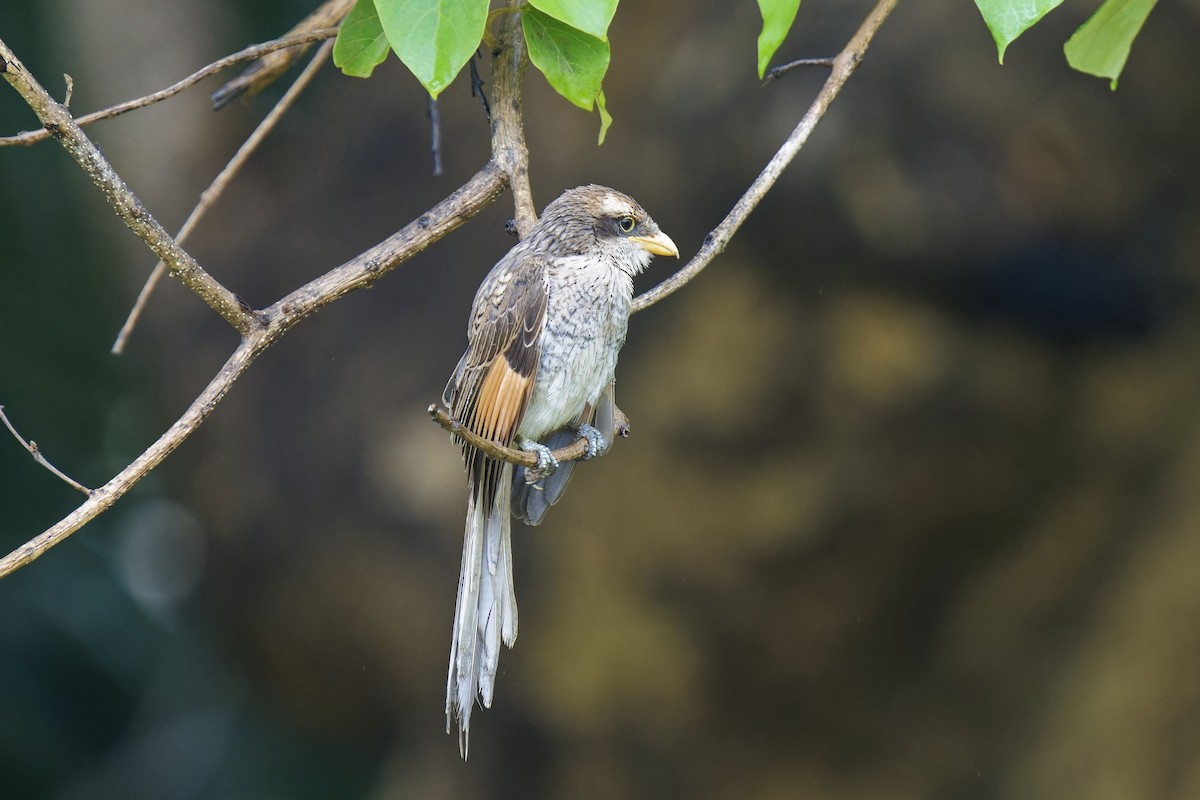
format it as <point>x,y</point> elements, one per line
<point>530,502</point>
<point>486,609</point>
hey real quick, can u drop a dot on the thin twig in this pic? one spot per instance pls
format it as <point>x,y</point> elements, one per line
<point>522,458</point>
<point>715,242</point>
<point>36,452</point>
<point>124,202</point>
<point>435,135</point>
<point>572,452</point>
<point>777,72</point>
<point>263,72</point>
<point>210,195</point>
<point>477,87</point>
<point>249,54</point>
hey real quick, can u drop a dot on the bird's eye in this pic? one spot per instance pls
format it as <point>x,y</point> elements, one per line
<point>627,223</point>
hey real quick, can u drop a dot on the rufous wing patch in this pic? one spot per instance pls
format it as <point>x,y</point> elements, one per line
<point>501,401</point>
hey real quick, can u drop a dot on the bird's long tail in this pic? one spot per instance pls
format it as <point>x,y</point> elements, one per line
<point>486,609</point>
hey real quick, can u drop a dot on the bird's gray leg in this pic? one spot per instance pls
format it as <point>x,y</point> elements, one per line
<point>605,419</point>
<point>597,444</point>
<point>546,465</point>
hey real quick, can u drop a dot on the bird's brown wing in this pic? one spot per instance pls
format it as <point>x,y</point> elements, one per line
<point>490,389</point>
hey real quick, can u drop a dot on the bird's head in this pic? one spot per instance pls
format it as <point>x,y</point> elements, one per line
<point>590,218</point>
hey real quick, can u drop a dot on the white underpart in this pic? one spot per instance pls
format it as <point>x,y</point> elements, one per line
<point>580,342</point>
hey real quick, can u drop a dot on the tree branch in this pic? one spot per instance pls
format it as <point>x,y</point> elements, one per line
<point>508,128</point>
<point>248,54</point>
<point>715,242</point>
<point>522,458</point>
<point>59,122</point>
<point>493,449</point>
<point>366,268</point>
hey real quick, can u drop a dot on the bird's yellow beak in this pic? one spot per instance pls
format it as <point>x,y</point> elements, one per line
<point>658,243</point>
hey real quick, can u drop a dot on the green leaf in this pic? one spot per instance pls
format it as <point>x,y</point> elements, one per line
<point>573,62</point>
<point>360,45</point>
<point>1008,19</point>
<point>1101,44</point>
<point>777,16</point>
<point>434,38</point>
<point>589,16</point>
<point>605,117</point>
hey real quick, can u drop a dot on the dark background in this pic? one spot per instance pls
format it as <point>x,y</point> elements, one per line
<point>911,508</point>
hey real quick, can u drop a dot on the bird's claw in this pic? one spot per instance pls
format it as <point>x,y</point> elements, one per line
<point>596,443</point>
<point>546,465</point>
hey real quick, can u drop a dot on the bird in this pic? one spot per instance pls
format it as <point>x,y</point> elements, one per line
<point>543,336</point>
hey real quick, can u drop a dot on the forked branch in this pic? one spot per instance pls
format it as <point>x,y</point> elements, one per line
<point>62,126</point>
<point>213,193</point>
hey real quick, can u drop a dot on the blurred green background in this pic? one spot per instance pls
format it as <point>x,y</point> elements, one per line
<point>911,508</point>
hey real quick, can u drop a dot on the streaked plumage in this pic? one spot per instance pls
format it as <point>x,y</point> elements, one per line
<point>545,329</point>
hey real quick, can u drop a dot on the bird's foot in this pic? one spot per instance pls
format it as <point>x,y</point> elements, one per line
<point>597,445</point>
<point>546,465</point>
